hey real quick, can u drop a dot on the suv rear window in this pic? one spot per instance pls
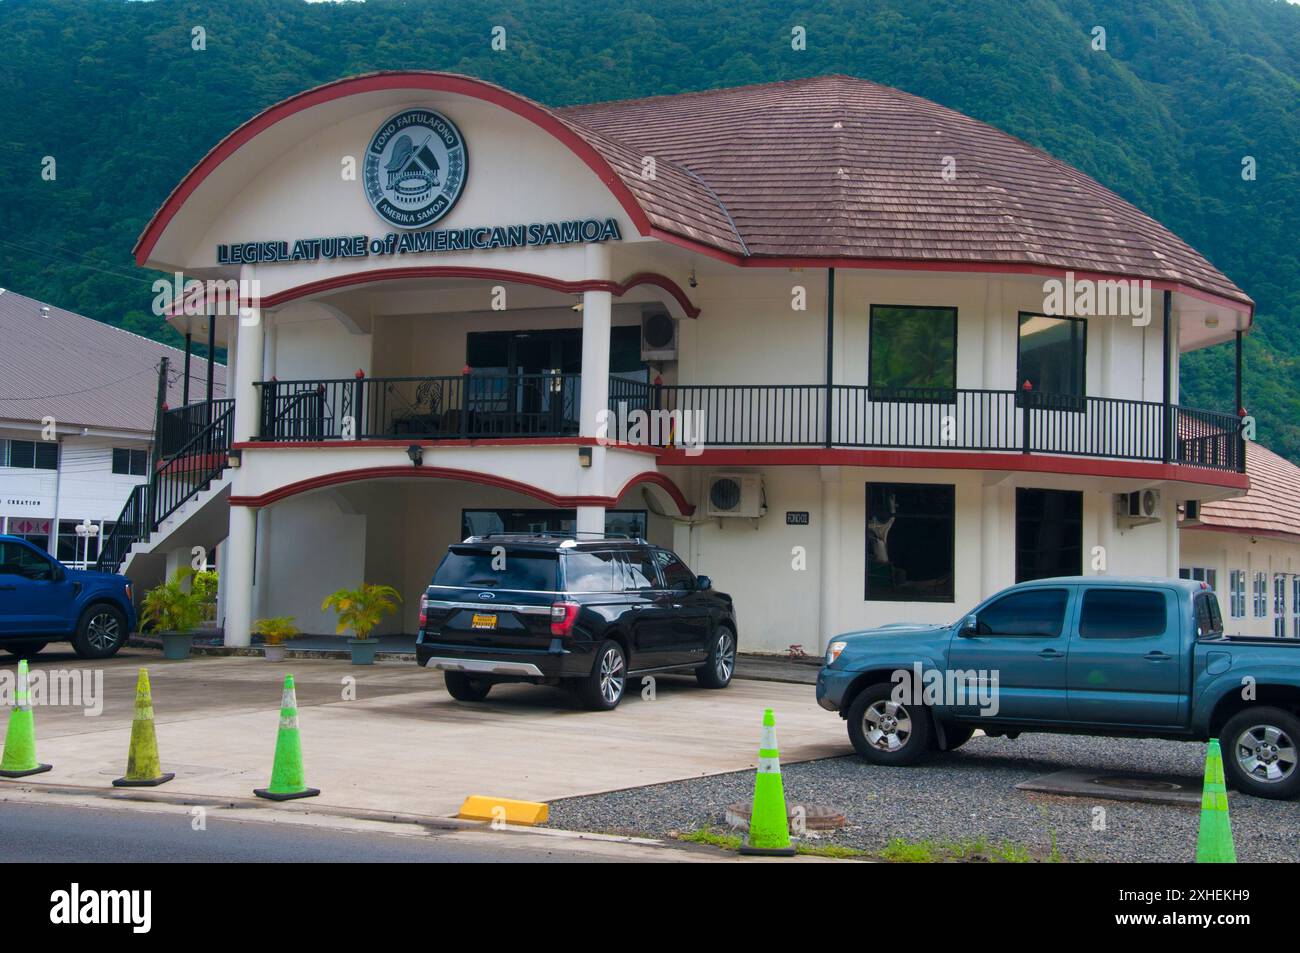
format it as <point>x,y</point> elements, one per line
<point>592,572</point>
<point>483,568</point>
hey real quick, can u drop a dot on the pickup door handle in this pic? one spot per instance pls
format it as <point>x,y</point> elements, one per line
<point>1157,657</point>
<point>8,588</point>
<point>636,607</point>
<point>1051,653</point>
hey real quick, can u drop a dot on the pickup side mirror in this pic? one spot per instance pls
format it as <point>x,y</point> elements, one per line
<point>703,582</point>
<point>969,626</point>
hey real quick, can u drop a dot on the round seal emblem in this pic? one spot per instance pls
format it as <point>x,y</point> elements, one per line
<point>415,168</point>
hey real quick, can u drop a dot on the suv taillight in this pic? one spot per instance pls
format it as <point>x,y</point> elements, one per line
<point>563,615</point>
<point>424,610</point>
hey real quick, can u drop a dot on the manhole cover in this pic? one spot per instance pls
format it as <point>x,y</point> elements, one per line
<point>816,817</point>
<point>1137,784</point>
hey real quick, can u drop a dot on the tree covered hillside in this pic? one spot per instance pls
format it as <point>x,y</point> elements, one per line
<point>1164,115</point>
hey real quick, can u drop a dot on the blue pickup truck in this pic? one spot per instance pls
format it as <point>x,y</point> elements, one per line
<point>1093,655</point>
<point>43,601</point>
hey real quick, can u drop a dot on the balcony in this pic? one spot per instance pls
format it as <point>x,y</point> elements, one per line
<point>753,415</point>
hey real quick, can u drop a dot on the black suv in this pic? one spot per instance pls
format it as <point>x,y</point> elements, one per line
<point>586,612</point>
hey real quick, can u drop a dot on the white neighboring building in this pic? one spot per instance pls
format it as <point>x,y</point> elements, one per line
<point>1248,549</point>
<point>894,418</point>
<point>99,385</point>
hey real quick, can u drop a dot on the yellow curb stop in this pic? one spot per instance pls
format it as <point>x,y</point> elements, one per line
<point>479,807</point>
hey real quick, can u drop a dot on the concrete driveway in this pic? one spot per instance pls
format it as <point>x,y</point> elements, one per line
<point>404,744</point>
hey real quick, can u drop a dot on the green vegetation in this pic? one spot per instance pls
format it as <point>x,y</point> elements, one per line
<point>361,609</point>
<point>1164,116</point>
<point>171,607</point>
<point>898,851</point>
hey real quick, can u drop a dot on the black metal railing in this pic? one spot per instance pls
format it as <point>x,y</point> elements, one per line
<point>751,415</point>
<point>180,425</point>
<point>459,406</point>
<point>133,524</point>
<point>178,477</point>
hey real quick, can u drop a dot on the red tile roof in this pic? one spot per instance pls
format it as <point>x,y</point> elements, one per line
<point>79,371</point>
<point>1272,506</point>
<point>839,167</point>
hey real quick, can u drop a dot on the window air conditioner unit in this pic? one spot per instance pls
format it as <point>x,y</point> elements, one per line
<point>735,494</point>
<point>1138,508</point>
<point>658,337</point>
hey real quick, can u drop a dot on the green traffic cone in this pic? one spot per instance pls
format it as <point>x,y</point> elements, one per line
<point>286,773</point>
<point>769,826</point>
<point>1214,840</point>
<point>19,758</point>
<point>143,768</point>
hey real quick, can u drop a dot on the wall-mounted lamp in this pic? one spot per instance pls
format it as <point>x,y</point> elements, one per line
<point>416,454</point>
<point>584,456</point>
<point>234,458</point>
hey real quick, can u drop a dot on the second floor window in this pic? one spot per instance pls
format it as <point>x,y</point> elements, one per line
<point>29,455</point>
<point>913,353</point>
<point>1052,356</point>
<point>132,462</point>
<point>1237,586</point>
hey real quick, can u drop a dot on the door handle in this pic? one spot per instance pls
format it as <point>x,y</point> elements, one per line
<point>637,608</point>
<point>8,588</point>
<point>1157,657</point>
<point>1051,653</point>
<point>677,605</point>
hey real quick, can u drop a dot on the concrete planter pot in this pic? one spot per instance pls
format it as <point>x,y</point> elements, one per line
<point>363,651</point>
<point>176,645</point>
<point>273,653</point>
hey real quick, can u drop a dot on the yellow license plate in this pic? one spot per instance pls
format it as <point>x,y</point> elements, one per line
<point>488,621</point>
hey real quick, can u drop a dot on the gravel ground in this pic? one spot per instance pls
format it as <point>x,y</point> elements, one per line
<point>968,794</point>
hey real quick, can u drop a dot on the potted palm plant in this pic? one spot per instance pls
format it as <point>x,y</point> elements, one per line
<point>275,631</point>
<point>360,610</point>
<point>174,612</point>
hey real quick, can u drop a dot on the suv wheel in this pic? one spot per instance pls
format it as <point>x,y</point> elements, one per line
<point>465,688</point>
<point>1260,754</point>
<point>717,670</point>
<point>24,649</point>
<point>602,690</point>
<point>885,732</point>
<point>101,632</point>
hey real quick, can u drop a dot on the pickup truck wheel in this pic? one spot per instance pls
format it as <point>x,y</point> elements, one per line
<point>24,649</point>
<point>885,732</point>
<point>1260,754</point>
<point>602,690</point>
<point>465,688</point>
<point>100,633</point>
<point>718,668</point>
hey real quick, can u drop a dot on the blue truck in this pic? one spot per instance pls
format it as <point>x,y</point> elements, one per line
<point>1095,655</point>
<point>43,601</point>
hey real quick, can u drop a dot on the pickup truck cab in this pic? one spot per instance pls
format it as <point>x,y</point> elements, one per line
<point>43,601</point>
<point>1094,655</point>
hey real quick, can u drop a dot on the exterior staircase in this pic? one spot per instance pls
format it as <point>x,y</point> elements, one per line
<point>184,504</point>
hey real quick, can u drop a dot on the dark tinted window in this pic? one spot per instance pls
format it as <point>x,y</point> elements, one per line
<point>910,542</point>
<point>592,572</point>
<point>1032,612</point>
<point>675,573</point>
<point>1209,620</point>
<point>1049,533</point>
<point>1122,614</point>
<point>1052,355</point>
<point>641,570</point>
<point>133,462</point>
<point>18,560</point>
<point>501,570</point>
<point>913,352</point>
<point>42,455</point>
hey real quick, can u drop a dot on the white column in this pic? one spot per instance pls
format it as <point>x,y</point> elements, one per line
<point>237,577</point>
<point>249,345</point>
<point>241,542</point>
<point>597,308</point>
<point>991,518</point>
<point>829,568</point>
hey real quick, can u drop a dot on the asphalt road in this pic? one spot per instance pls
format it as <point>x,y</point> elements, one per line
<point>52,833</point>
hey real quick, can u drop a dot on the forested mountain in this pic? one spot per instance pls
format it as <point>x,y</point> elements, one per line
<point>1184,90</point>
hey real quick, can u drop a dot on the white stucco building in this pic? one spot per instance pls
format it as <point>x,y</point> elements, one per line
<point>915,359</point>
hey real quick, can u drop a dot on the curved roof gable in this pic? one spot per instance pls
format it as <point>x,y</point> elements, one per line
<point>832,168</point>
